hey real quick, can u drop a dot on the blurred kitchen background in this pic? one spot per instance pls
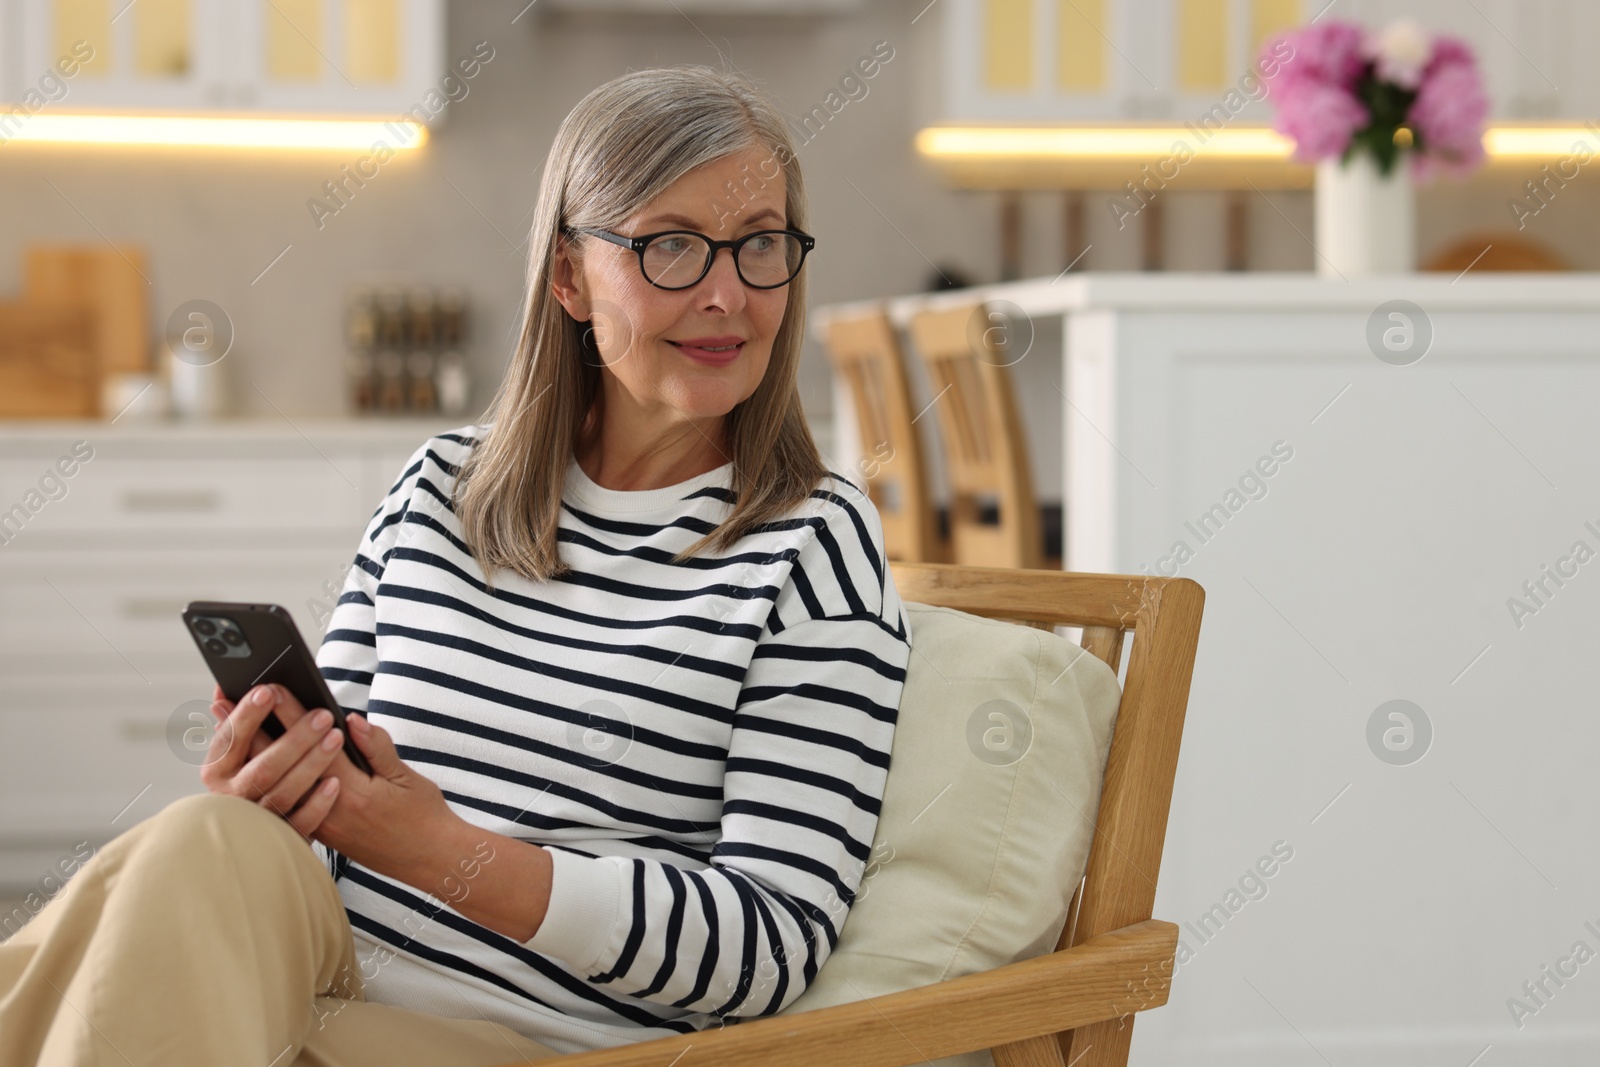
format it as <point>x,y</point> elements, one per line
<point>234,227</point>
<point>225,320</point>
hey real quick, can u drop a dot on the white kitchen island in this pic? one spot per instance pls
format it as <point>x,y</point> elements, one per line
<point>1367,530</point>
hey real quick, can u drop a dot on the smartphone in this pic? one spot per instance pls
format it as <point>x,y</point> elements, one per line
<point>246,645</point>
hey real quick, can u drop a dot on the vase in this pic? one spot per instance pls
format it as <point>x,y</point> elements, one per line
<point>1365,221</point>
<point>196,391</point>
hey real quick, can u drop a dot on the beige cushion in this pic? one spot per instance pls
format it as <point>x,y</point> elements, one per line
<point>976,853</point>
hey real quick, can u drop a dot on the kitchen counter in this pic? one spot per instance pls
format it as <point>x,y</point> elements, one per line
<point>243,436</point>
<point>20,432</point>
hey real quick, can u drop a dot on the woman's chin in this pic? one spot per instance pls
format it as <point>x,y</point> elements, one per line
<point>705,399</point>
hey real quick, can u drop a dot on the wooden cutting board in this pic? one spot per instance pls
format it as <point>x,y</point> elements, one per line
<point>112,279</point>
<point>49,360</point>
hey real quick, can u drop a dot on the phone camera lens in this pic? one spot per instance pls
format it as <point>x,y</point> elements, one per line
<point>215,647</point>
<point>233,637</point>
<point>205,627</point>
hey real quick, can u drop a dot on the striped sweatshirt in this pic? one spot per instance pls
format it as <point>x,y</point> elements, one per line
<point>702,747</point>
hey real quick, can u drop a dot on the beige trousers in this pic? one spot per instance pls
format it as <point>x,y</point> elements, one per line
<point>210,934</point>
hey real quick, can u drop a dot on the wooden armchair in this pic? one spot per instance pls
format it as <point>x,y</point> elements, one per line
<point>1071,1006</point>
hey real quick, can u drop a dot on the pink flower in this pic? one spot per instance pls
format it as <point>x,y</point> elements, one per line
<point>1314,87</point>
<point>1322,71</point>
<point>1320,119</point>
<point>1448,50</point>
<point>1449,112</point>
<point>1328,53</point>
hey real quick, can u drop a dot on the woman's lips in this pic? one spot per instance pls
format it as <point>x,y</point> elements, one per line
<point>703,355</point>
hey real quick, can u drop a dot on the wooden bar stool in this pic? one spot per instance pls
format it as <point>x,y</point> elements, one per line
<point>994,518</point>
<point>866,352</point>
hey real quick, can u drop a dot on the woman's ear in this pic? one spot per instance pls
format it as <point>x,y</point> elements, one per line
<point>566,282</point>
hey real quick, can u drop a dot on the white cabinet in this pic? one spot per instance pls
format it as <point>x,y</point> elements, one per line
<point>1087,60</point>
<point>1069,61</point>
<point>101,679</point>
<point>153,56</point>
<point>360,56</point>
<point>332,57</point>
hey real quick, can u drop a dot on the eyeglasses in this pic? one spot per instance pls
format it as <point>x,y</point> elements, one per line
<point>677,259</point>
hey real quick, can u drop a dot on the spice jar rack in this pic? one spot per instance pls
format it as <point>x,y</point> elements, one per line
<point>404,350</point>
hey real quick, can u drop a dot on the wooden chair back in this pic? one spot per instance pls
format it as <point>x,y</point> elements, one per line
<point>1497,250</point>
<point>985,448</point>
<point>865,351</point>
<point>1162,618</point>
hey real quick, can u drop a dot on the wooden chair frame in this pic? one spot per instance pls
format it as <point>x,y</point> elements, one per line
<point>1073,1006</point>
<point>981,431</point>
<point>866,353</point>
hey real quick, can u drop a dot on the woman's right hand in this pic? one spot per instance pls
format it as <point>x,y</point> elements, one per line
<point>281,774</point>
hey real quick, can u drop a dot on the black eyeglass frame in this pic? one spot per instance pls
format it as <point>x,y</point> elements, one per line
<point>640,243</point>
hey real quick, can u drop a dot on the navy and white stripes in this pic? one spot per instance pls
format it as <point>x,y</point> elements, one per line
<point>702,747</point>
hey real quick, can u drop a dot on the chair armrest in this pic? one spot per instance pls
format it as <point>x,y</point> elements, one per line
<point>1104,978</point>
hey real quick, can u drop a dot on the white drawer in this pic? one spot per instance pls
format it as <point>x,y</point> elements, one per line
<point>110,613</point>
<point>197,494</point>
<point>85,761</point>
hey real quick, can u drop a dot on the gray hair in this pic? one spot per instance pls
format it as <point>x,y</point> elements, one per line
<point>623,145</point>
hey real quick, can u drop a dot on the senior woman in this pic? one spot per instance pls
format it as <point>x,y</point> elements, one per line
<point>626,659</point>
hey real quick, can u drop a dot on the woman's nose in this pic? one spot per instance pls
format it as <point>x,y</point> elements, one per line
<point>722,281</point>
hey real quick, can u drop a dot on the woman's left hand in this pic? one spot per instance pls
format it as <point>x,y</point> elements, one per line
<point>395,821</point>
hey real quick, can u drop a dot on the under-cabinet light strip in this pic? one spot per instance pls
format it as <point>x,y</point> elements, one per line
<point>17,125</point>
<point>1235,142</point>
